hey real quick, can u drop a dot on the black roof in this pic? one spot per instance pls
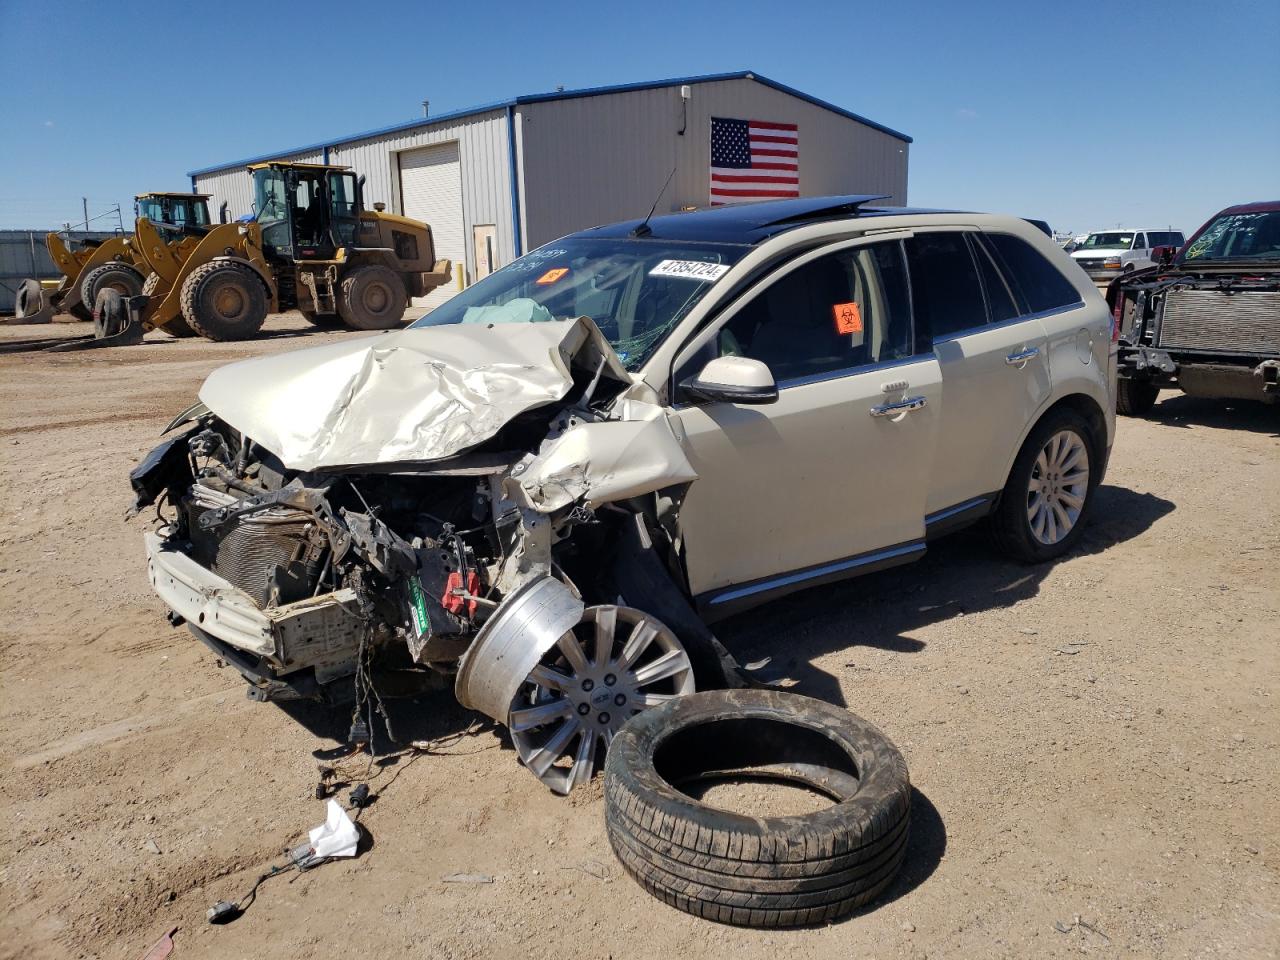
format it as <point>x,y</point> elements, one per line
<point>749,223</point>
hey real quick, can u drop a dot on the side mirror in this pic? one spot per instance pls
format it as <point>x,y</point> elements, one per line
<point>1163,254</point>
<point>733,380</point>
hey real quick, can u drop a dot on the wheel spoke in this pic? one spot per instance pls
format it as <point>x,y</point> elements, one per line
<point>1072,458</point>
<point>550,678</point>
<point>530,717</point>
<point>584,761</point>
<point>1042,466</point>
<point>542,760</point>
<point>606,626</point>
<point>1051,525</point>
<point>1037,522</point>
<point>1071,500</point>
<point>667,665</point>
<point>572,651</point>
<point>1064,522</point>
<point>642,634</point>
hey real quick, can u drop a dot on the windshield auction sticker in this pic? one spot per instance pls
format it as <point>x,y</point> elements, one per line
<point>698,270</point>
<point>552,275</point>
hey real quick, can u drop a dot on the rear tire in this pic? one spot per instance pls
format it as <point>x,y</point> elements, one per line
<point>1135,398</point>
<point>117,276</point>
<point>1036,478</point>
<point>373,298</point>
<point>224,300</point>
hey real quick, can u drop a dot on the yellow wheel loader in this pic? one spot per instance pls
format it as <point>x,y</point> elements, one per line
<point>111,264</point>
<point>311,246</point>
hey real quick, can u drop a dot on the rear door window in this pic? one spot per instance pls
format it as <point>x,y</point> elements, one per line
<point>1038,281</point>
<point>945,290</point>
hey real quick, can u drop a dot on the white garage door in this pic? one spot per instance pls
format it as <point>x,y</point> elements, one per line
<point>431,191</point>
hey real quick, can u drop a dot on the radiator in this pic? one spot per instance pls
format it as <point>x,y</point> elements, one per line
<point>1247,321</point>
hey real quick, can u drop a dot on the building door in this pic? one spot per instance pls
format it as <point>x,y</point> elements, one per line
<point>431,191</point>
<point>485,248</point>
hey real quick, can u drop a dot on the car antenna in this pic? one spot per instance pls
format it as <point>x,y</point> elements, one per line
<point>644,229</point>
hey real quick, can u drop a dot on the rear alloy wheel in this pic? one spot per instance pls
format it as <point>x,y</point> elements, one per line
<point>117,276</point>
<point>1135,398</point>
<point>224,300</point>
<point>617,662</point>
<point>373,298</point>
<point>1047,496</point>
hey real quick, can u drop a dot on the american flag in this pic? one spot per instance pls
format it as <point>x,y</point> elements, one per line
<point>753,160</point>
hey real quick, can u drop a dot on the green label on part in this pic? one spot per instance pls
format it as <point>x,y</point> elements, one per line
<point>418,608</point>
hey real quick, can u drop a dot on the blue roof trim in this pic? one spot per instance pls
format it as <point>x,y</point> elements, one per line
<point>557,95</point>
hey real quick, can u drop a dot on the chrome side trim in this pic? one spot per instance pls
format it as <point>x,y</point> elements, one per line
<point>958,508</point>
<point>732,594</point>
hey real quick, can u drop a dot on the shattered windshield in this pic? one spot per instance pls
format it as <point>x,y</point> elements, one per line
<point>1238,236</point>
<point>1096,241</point>
<point>636,291</point>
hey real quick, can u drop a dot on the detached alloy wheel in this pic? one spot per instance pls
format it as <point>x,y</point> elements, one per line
<point>617,662</point>
<point>1049,491</point>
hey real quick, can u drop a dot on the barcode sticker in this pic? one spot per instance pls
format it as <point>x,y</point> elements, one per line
<point>698,270</point>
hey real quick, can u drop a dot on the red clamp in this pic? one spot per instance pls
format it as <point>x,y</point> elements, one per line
<point>456,604</point>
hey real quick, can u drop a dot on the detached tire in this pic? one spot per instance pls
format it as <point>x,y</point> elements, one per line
<point>757,871</point>
<point>30,301</point>
<point>224,300</point>
<point>117,276</point>
<point>1135,398</point>
<point>373,298</point>
<point>1046,500</point>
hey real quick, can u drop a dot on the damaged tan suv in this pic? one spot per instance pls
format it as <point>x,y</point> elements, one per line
<point>546,488</point>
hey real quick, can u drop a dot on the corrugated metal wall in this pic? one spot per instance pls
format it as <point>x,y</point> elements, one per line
<point>597,159</point>
<point>23,256</point>
<point>235,187</point>
<point>486,192</point>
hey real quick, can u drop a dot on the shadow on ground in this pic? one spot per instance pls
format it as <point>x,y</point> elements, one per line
<point>960,574</point>
<point>1179,410</point>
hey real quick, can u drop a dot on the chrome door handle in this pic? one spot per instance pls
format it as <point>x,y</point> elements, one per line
<point>902,406</point>
<point>1020,359</point>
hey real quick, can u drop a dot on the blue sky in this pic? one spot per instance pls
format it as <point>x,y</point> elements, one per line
<point>1085,114</point>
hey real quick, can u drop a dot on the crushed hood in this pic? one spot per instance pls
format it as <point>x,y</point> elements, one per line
<point>418,394</point>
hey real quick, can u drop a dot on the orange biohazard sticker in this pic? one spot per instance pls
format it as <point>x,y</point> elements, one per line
<point>552,275</point>
<point>848,318</point>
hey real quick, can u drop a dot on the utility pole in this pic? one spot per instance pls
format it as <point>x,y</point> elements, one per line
<point>85,202</point>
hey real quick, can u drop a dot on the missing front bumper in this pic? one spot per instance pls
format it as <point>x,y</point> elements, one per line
<point>319,635</point>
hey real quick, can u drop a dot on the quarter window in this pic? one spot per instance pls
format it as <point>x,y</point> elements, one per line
<point>945,289</point>
<point>1001,305</point>
<point>1038,281</point>
<point>840,311</point>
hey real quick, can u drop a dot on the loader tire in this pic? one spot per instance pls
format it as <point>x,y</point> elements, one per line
<point>178,326</point>
<point>757,871</point>
<point>117,276</point>
<point>224,300</point>
<point>110,315</point>
<point>373,298</point>
<point>1135,398</point>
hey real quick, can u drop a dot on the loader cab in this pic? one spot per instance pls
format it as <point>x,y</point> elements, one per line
<point>185,213</point>
<point>306,211</point>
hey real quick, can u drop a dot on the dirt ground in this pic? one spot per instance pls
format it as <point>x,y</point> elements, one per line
<point>1097,739</point>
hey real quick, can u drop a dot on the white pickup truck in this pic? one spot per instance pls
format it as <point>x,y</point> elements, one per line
<point>1106,254</point>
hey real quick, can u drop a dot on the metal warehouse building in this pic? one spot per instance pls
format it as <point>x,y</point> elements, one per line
<point>498,180</point>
